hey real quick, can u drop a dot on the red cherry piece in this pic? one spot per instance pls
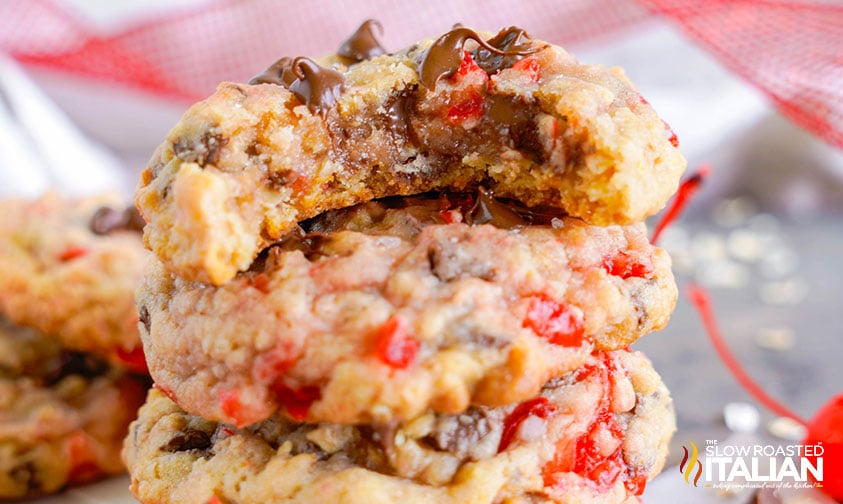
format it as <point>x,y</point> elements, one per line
<point>297,401</point>
<point>83,459</point>
<point>539,407</point>
<point>214,500</point>
<point>625,266</point>
<point>467,66</point>
<point>232,407</point>
<point>470,106</point>
<point>394,346</point>
<point>71,253</point>
<point>555,322</point>
<point>467,100</point>
<point>134,360</point>
<point>826,429</point>
<point>530,67</point>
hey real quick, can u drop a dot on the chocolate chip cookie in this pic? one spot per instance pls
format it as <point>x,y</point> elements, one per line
<point>597,434</point>
<point>63,414</point>
<point>378,312</point>
<point>520,116</point>
<point>68,268</point>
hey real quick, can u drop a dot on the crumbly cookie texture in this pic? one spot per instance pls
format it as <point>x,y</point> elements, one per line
<point>596,435</point>
<point>63,414</point>
<point>68,268</point>
<point>380,311</point>
<point>243,166</point>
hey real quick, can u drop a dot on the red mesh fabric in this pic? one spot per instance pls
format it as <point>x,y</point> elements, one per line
<point>793,51</point>
<point>184,55</point>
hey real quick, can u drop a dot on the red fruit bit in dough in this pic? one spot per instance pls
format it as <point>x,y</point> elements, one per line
<point>470,106</point>
<point>538,407</point>
<point>214,500</point>
<point>530,67</point>
<point>83,460</point>
<point>297,401</point>
<point>394,346</point>
<point>587,460</point>
<point>133,359</point>
<point>555,322</point>
<point>468,102</point>
<point>232,407</point>
<point>71,253</point>
<point>625,266</point>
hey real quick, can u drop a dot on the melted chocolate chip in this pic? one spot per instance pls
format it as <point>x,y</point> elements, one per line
<point>143,317</point>
<point>444,56</point>
<point>316,86</point>
<point>362,45</point>
<point>279,73</point>
<point>107,220</point>
<point>515,44</point>
<point>69,363</point>
<point>189,440</point>
<point>488,210</point>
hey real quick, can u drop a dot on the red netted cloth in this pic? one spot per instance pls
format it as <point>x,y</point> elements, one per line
<point>792,51</point>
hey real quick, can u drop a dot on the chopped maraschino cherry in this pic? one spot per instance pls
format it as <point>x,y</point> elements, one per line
<point>296,401</point>
<point>625,266</point>
<point>686,190</point>
<point>538,407</point>
<point>556,322</point>
<point>394,346</point>
<point>71,253</point>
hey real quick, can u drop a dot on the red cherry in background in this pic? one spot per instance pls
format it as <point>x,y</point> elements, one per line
<point>826,428</point>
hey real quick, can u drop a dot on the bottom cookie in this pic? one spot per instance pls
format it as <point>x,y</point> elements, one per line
<point>595,435</point>
<point>63,415</point>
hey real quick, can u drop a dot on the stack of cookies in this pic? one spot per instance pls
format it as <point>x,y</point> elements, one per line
<point>71,363</point>
<point>407,277</point>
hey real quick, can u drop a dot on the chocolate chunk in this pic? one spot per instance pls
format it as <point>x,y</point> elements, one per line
<point>279,73</point>
<point>458,434</point>
<point>205,150</point>
<point>189,440</point>
<point>488,210</point>
<point>368,449</point>
<point>143,317</point>
<point>107,220</point>
<point>513,42</point>
<point>363,44</point>
<point>316,86</point>
<point>24,474</point>
<point>68,363</point>
<point>448,264</point>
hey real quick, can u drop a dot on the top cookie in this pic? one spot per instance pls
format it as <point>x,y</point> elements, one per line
<point>518,115</point>
<point>68,268</point>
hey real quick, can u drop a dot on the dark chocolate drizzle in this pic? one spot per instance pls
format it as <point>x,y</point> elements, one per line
<point>513,41</point>
<point>316,86</point>
<point>444,56</point>
<point>362,44</point>
<point>279,73</point>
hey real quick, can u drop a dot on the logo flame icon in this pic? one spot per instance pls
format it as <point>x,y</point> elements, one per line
<point>689,461</point>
